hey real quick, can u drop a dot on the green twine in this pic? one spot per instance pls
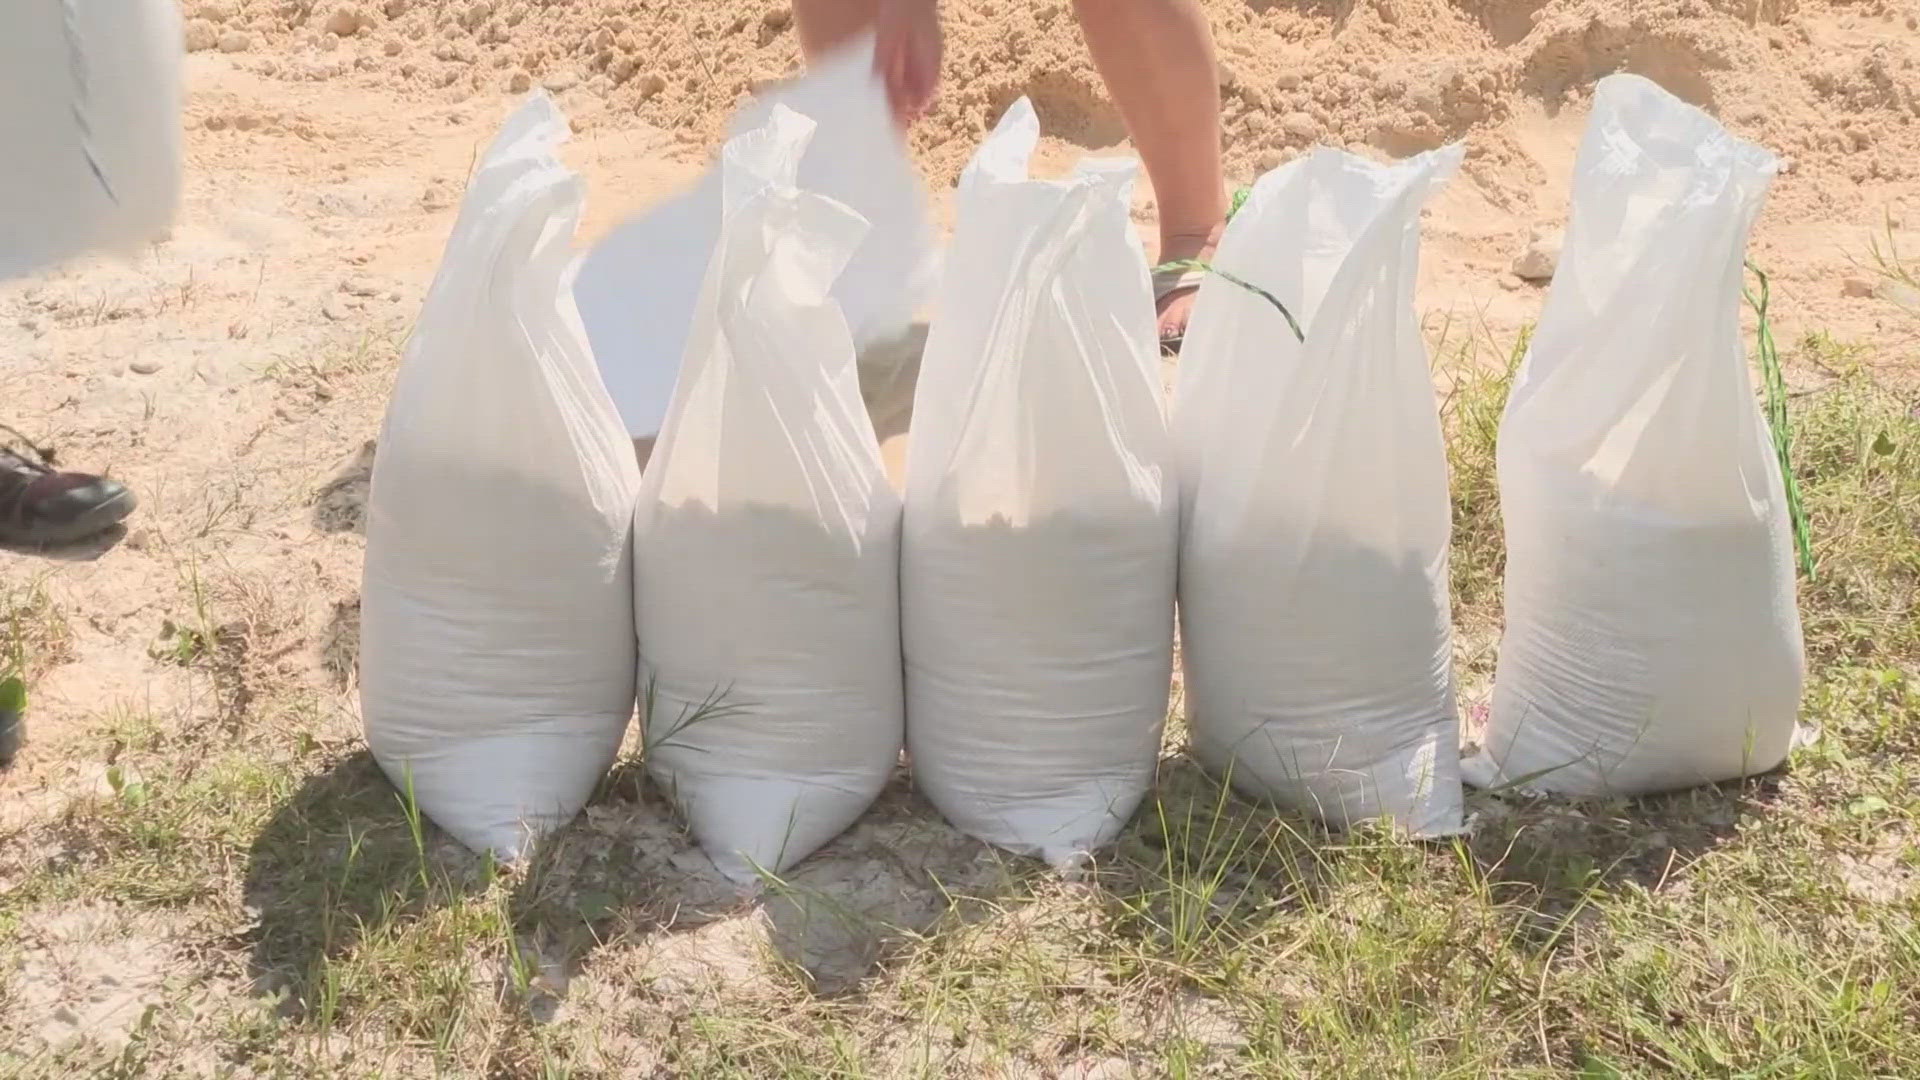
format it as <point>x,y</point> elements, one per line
<point>1776,387</point>
<point>1233,207</point>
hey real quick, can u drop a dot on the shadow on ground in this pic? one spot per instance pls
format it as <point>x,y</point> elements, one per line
<point>340,505</point>
<point>85,550</point>
<point>1550,856</point>
<point>336,862</point>
<point>626,871</point>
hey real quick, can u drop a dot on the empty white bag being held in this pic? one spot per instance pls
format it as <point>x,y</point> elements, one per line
<point>90,95</point>
<point>639,286</point>
<point>767,538</point>
<point>1315,624</point>
<point>1037,564</point>
<point>496,637</point>
<point>1652,640</point>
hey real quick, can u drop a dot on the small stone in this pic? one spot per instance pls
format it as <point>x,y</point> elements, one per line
<point>778,19</point>
<point>359,286</point>
<point>561,81</point>
<point>215,123</point>
<point>1299,125</point>
<point>234,41</point>
<point>394,47</point>
<point>1511,282</point>
<point>651,84</point>
<point>396,8</point>
<point>344,22</point>
<point>1536,263</point>
<point>202,36</point>
<point>1858,288</point>
<point>144,367</point>
<point>139,539</point>
<point>30,324</point>
<point>519,83</point>
<point>214,12</point>
<point>336,310</point>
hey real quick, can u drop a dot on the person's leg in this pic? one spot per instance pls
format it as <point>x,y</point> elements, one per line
<point>825,25</point>
<point>1157,59</point>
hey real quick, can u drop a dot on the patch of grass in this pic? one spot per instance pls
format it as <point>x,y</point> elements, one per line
<point>1763,929</point>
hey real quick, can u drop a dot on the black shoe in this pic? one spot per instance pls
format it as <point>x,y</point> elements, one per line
<point>40,506</point>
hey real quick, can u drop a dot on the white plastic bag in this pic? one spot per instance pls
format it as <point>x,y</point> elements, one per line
<point>1038,557</point>
<point>496,637</point>
<point>767,538</point>
<point>90,96</point>
<point>1316,629</point>
<point>1652,640</point>
<point>639,285</point>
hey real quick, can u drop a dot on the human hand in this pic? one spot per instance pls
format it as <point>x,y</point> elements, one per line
<point>906,55</point>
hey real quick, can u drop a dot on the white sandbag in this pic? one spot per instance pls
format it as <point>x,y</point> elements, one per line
<point>1038,557</point>
<point>1652,640</point>
<point>496,635</point>
<point>1316,631</point>
<point>90,95</point>
<point>639,285</point>
<point>767,538</point>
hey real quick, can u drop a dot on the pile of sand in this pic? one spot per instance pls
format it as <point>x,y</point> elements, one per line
<point>1836,88</point>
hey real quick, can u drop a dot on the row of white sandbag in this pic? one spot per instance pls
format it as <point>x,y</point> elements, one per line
<point>1652,640</point>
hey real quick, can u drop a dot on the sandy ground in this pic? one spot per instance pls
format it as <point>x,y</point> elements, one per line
<point>235,376</point>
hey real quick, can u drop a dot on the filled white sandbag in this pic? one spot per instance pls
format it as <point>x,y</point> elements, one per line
<point>1652,639</point>
<point>496,637</point>
<point>767,538</point>
<point>639,285</point>
<point>1038,556</point>
<point>90,95</point>
<point>1316,630</point>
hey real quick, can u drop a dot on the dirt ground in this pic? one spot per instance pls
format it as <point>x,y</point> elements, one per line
<point>236,375</point>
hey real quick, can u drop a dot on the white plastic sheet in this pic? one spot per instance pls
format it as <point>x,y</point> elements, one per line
<point>90,96</point>
<point>1315,624</point>
<point>768,537</point>
<point>1039,551</point>
<point>639,286</point>
<point>1652,637</point>
<point>497,641</point>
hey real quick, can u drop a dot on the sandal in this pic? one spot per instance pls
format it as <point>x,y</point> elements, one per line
<point>1171,281</point>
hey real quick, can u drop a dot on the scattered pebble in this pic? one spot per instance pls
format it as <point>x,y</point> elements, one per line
<point>1857,287</point>
<point>144,367</point>
<point>651,83</point>
<point>1300,126</point>
<point>234,41</point>
<point>1536,263</point>
<point>345,22</point>
<point>359,286</point>
<point>213,12</point>
<point>336,310</point>
<point>519,83</point>
<point>394,47</point>
<point>561,81</point>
